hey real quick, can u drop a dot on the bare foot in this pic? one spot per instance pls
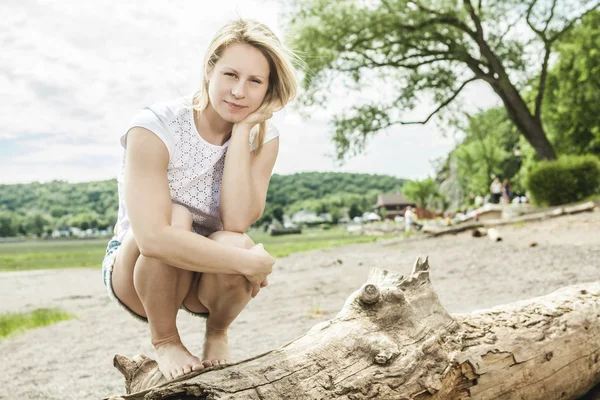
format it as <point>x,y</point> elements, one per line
<point>174,360</point>
<point>216,348</point>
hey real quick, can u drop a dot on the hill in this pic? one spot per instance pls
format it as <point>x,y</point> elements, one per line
<point>35,208</point>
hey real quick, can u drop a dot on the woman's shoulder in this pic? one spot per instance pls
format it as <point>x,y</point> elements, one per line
<point>172,108</point>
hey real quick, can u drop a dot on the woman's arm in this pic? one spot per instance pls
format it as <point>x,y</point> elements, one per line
<point>148,201</point>
<point>245,181</point>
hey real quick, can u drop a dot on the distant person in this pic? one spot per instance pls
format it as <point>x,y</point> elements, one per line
<point>478,201</point>
<point>408,219</point>
<point>506,191</point>
<point>194,177</point>
<point>496,190</point>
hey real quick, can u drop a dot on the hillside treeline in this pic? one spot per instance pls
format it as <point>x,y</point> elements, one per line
<point>40,208</point>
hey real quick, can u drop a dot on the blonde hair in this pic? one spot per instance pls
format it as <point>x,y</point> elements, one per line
<point>283,85</point>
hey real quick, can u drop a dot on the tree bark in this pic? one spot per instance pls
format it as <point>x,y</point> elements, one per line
<point>394,340</point>
<point>527,123</point>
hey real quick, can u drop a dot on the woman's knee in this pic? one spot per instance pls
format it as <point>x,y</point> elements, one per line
<point>233,239</point>
<point>232,282</point>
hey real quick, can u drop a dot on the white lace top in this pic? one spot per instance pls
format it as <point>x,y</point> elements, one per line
<point>195,169</point>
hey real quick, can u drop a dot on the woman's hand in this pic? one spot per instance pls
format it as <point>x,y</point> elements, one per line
<point>253,119</point>
<point>264,266</point>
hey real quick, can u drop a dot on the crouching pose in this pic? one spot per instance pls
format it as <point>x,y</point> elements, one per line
<point>194,177</point>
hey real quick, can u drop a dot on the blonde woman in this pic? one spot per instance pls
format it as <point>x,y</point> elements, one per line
<point>194,177</point>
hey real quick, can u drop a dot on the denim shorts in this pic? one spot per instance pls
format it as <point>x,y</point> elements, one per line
<point>107,268</point>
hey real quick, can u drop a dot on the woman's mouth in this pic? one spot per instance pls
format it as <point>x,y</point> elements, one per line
<point>234,106</point>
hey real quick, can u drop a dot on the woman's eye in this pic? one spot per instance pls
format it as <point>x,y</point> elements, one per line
<point>230,74</point>
<point>256,81</point>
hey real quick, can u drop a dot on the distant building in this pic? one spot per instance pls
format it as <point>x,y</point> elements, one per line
<point>310,218</point>
<point>393,204</point>
<point>370,217</point>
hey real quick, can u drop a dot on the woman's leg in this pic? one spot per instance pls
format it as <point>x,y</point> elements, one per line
<point>156,290</point>
<point>224,296</point>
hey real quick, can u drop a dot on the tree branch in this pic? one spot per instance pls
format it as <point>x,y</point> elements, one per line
<point>570,24</point>
<point>396,63</point>
<point>548,41</point>
<point>542,84</point>
<point>444,104</point>
<point>443,20</point>
<point>510,26</point>
<point>541,34</point>
<point>551,16</point>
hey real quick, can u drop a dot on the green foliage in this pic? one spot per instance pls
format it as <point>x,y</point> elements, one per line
<point>11,323</point>
<point>425,49</point>
<point>421,192</point>
<point>326,192</point>
<point>566,180</point>
<point>487,150</point>
<point>38,208</point>
<point>573,91</point>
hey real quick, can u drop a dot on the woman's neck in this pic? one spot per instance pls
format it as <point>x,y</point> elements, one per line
<point>211,126</point>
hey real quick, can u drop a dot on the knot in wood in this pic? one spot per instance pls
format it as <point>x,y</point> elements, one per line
<point>381,359</point>
<point>369,294</point>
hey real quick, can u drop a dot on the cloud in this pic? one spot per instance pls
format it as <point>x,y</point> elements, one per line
<point>74,74</point>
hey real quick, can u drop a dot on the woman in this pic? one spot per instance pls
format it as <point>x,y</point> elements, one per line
<point>496,190</point>
<point>194,177</point>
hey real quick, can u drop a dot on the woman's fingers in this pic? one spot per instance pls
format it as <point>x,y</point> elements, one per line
<point>255,290</point>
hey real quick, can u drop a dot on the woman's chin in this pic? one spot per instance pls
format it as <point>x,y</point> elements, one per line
<point>231,117</point>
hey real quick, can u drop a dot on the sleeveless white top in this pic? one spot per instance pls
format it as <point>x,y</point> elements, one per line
<point>195,169</point>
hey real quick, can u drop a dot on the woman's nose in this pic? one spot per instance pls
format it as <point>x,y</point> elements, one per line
<point>239,90</point>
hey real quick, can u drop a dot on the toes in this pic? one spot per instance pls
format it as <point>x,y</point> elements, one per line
<point>186,369</point>
<point>223,362</point>
<point>198,367</point>
<point>207,363</point>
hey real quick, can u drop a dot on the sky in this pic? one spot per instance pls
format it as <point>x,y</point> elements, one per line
<point>73,74</point>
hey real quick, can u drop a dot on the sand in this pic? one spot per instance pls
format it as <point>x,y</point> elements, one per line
<point>73,359</point>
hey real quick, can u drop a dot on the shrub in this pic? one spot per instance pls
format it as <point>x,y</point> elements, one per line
<point>568,179</point>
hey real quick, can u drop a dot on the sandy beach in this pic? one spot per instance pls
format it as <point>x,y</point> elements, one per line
<point>73,359</point>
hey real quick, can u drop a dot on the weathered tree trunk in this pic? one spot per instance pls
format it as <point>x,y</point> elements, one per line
<point>589,206</point>
<point>394,340</point>
<point>494,235</point>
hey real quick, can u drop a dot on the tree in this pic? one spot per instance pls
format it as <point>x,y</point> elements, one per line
<point>7,224</point>
<point>37,223</point>
<point>421,191</point>
<point>425,47</point>
<point>573,90</point>
<point>487,150</point>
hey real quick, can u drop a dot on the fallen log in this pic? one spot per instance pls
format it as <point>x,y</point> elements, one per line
<point>538,216</point>
<point>465,226</point>
<point>479,232</point>
<point>394,340</point>
<point>494,235</point>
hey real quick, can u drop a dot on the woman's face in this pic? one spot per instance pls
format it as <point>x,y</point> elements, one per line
<point>238,82</point>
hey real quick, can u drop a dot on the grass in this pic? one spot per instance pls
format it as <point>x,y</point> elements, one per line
<point>47,254</point>
<point>11,323</point>
<point>281,246</point>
